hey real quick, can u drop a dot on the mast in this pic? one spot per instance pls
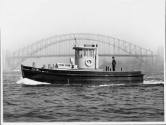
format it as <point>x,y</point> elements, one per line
<point>75,41</point>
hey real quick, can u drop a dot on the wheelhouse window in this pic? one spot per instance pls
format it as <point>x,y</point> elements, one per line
<point>86,52</point>
<point>81,53</point>
<point>91,53</point>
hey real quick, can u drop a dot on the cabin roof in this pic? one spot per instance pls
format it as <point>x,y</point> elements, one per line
<point>85,46</point>
<point>80,48</point>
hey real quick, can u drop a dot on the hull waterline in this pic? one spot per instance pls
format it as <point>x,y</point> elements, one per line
<point>80,76</point>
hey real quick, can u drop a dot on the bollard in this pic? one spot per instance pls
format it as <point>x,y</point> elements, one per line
<point>107,68</point>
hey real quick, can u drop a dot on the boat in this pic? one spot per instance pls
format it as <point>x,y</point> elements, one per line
<point>84,69</point>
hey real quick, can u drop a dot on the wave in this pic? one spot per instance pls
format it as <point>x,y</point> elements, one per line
<point>26,81</point>
<point>111,85</point>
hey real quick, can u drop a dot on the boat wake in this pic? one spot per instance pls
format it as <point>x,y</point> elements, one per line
<point>153,82</point>
<point>145,83</point>
<point>26,81</point>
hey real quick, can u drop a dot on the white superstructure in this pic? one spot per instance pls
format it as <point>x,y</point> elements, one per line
<point>86,56</point>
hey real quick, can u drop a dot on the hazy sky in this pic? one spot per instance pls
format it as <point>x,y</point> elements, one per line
<point>139,21</point>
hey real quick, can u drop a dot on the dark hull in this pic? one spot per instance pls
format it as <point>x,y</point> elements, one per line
<point>80,76</point>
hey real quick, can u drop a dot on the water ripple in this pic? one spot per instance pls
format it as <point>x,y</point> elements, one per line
<point>144,102</point>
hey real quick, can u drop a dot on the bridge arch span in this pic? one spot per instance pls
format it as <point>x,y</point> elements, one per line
<point>36,47</point>
<point>43,44</point>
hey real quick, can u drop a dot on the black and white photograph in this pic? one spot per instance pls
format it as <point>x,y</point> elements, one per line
<point>82,62</point>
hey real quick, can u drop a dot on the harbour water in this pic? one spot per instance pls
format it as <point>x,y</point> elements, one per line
<point>101,103</point>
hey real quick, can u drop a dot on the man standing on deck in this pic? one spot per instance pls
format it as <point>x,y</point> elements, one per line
<point>113,63</point>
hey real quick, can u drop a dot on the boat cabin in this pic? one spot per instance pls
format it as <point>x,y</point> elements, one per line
<point>86,56</point>
<point>63,66</point>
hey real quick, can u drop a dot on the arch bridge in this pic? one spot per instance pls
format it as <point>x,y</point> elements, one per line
<point>61,46</point>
